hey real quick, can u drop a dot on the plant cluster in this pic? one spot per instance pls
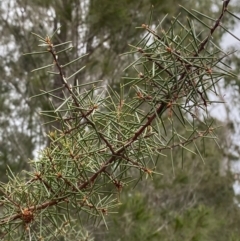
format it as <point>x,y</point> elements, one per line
<point>102,137</point>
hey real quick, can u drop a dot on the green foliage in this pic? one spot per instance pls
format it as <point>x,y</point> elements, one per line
<point>104,141</point>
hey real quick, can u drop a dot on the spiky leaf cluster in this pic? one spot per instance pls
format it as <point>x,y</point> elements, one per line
<point>102,136</point>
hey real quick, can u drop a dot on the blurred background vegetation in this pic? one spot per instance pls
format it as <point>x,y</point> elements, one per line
<point>197,201</point>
